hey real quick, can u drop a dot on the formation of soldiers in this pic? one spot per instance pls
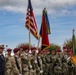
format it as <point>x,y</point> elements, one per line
<point>34,62</point>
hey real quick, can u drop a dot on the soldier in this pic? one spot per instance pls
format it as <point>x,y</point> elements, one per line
<point>33,61</point>
<point>53,61</point>
<point>48,69</point>
<point>65,52</point>
<point>71,67</point>
<point>20,50</point>
<point>8,62</point>
<point>64,61</point>
<point>38,64</point>
<point>25,61</point>
<point>58,52</point>
<point>16,63</point>
<point>2,61</point>
<point>43,57</point>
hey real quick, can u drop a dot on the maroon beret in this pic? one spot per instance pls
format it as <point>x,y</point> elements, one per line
<point>25,47</point>
<point>58,50</point>
<point>22,47</point>
<point>16,50</point>
<point>39,51</point>
<point>9,50</point>
<point>64,47</point>
<point>47,51</point>
<point>33,48</point>
<point>69,50</point>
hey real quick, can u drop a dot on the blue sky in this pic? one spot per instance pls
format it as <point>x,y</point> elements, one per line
<point>62,18</point>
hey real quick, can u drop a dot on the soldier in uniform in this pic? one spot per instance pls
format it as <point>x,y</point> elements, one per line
<point>2,61</point>
<point>58,63</point>
<point>53,61</point>
<point>16,63</point>
<point>65,54</point>
<point>43,57</point>
<point>39,70</point>
<point>33,61</point>
<point>8,62</point>
<point>64,61</point>
<point>71,66</point>
<point>25,61</point>
<point>48,69</point>
<point>21,50</point>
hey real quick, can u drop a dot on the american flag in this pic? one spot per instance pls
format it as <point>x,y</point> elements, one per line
<point>30,21</point>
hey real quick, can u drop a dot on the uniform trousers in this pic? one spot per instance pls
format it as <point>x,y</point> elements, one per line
<point>2,73</point>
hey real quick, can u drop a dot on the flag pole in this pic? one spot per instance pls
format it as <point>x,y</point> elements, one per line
<point>38,42</point>
<point>29,38</point>
<point>29,47</point>
<point>73,41</point>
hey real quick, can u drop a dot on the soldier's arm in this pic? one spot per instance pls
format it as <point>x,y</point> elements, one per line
<point>14,67</point>
<point>23,57</point>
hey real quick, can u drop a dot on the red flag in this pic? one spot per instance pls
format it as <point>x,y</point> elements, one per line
<point>30,21</point>
<point>44,31</point>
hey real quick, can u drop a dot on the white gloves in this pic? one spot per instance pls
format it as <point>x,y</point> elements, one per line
<point>30,66</point>
<point>41,71</point>
<point>35,61</point>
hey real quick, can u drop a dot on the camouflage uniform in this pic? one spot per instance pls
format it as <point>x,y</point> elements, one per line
<point>48,68</point>
<point>16,63</point>
<point>71,65</point>
<point>40,65</point>
<point>8,64</point>
<point>25,63</point>
<point>44,64</point>
<point>35,62</point>
<point>32,64</point>
<point>53,59</point>
<point>58,67</point>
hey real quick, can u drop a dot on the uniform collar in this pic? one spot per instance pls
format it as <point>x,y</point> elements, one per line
<point>16,56</point>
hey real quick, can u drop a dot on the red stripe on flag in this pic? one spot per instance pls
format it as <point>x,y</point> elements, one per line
<point>30,20</point>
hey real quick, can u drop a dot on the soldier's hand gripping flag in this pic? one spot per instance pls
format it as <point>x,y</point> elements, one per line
<point>45,30</point>
<point>30,21</point>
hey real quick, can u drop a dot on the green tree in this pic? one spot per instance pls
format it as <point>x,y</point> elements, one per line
<point>54,47</point>
<point>69,44</point>
<point>23,44</point>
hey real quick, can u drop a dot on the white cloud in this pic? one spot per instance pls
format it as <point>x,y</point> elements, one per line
<point>53,6</point>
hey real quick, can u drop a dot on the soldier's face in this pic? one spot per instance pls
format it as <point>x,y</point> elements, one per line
<point>65,50</point>
<point>21,49</point>
<point>9,52</point>
<point>26,51</point>
<point>17,53</point>
<point>53,52</point>
<point>48,52</point>
<point>1,50</point>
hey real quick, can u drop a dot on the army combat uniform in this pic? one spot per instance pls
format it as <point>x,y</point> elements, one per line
<point>44,64</point>
<point>8,63</point>
<point>25,63</point>
<point>16,63</point>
